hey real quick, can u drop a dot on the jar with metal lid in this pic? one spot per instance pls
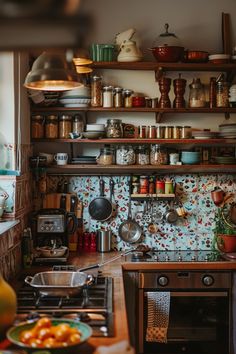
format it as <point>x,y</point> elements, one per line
<point>197,94</point>
<point>96,91</point>
<point>151,132</point>
<point>128,98</point>
<point>117,97</point>
<point>37,127</point>
<point>144,183</point>
<point>125,155</point>
<point>114,128</point>
<point>222,93</point>
<point>65,126</point>
<point>51,127</point>
<point>158,155</point>
<point>176,132</point>
<point>106,156</point>
<point>186,132</point>
<point>142,156</point>
<point>168,132</point>
<point>78,124</point>
<point>107,96</point>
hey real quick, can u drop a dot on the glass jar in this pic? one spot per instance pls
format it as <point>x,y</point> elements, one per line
<point>96,91</point>
<point>65,126</point>
<point>37,127</point>
<point>107,96</point>
<point>197,94</point>
<point>125,155</point>
<point>128,98</point>
<point>158,155</point>
<point>186,132</point>
<point>114,128</point>
<point>142,157</point>
<point>51,127</point>
<point>222,93</point>
<point>78,124</point>
<point>106,156</point>
<point>117,97</point>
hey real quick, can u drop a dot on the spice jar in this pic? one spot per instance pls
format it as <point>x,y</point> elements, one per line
<point>186,132</point>
<point>125,155</point>
<point>142,157</point>
<point>128,98</point>
<point>96,91</point>
<point>37,127</point>
<point>114,128</point>
<point>65,126</point>
<point>144,183</point>
<point>197,94</point>
<point>106,156</point>
<point>78,124</point>
<point>158,155</point>
<point>117,97</point>
<point>51,127</point>
<point>107,96</point>
<point>151,132</point>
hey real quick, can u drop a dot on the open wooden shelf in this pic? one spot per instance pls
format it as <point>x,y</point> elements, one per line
<point>152,196</point>
<point>138,169</point>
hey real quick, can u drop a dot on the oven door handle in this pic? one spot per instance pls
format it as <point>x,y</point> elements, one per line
<point>197,294</point>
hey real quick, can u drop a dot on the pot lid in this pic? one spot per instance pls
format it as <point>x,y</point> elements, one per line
<point>167,39</point>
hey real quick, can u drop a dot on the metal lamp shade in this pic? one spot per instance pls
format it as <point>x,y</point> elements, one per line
<point>82,57</point>
<point>51,72</point>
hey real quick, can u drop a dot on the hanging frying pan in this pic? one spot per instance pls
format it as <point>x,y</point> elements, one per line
<point>129,230</point>
<point>100,208</point>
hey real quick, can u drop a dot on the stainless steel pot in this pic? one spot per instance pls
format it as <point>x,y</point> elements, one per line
<point>59,283</point>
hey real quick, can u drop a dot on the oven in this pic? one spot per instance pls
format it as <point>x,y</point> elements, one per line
<point>93,305</point>
<point>198,316</point>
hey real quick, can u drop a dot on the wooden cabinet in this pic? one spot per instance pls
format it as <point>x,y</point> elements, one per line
<point>159,69</point>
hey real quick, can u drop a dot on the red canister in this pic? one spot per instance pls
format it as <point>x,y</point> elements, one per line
<point>138,101</point>
<point>160,187</point>
<point>144,184</point>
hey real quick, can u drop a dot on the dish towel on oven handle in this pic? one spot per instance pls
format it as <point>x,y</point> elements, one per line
<point>158,305</point>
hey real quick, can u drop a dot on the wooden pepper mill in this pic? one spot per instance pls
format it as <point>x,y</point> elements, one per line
<point>164,87</point>
<point>179,90</point>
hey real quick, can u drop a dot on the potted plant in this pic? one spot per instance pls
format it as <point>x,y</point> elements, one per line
<point>225,232</point>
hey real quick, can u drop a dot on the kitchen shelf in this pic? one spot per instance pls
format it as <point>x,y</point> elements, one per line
<point>138,169</point>
<point>141,141</point>
<point>152,196</point>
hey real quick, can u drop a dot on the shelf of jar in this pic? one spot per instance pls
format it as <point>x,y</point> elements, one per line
<point>139,141</point>
<point>156,66</point>
<point>152,196</point>
<point>138,169</point>
<point>135,109</point>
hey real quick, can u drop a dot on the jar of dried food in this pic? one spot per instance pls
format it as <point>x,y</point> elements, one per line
<point>186,132</point>
<point>106,156</point>
<point>222,93</point>
<point>51,127</point>
<point>107,96</point>
<point>65,126</point>
<point>158,155</point>
<point>125,155</point>
<point>128,98</point>
<point>142,157</point>
<point>197,94</point>
<point>96,91</point>
<point>118,97</point>
<point>37,127</point>
<point>114,128</point>
<point>78,124</point>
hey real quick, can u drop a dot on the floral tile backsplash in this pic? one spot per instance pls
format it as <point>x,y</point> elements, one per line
<point>194,231</point>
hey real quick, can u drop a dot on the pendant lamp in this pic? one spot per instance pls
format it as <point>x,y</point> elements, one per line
<point>52,72</point>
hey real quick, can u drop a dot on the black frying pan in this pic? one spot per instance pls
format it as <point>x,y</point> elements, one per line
<point>100,208</point>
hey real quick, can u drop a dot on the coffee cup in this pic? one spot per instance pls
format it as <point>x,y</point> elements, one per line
<point>174,158</point>
<point>61,158</point>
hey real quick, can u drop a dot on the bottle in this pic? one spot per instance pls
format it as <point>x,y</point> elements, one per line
<point>7,306</point>
<point>96,91</point>
<point>212,92</point>
<point>222,92</point>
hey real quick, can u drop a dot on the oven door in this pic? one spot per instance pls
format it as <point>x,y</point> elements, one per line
<point>199,322</point>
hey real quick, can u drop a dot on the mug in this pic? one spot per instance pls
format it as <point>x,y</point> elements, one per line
<point>61,158</point>
<point>174,158</point>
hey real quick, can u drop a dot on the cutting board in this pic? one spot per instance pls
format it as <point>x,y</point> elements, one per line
<point>53,200</point>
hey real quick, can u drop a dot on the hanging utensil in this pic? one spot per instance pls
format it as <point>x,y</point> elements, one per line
<point>152,226</point>
<point>100,208</point>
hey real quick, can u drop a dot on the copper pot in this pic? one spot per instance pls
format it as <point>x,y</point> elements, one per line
<point>195,56</point>
<point>217,196</point>
<point>168,54</point>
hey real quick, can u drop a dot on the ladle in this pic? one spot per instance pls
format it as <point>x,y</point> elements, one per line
<point>152,226</point>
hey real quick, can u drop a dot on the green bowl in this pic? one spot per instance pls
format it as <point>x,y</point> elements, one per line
<point>86,332</point>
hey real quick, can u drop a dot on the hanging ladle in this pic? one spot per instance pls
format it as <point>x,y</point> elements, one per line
<point>152,226</point>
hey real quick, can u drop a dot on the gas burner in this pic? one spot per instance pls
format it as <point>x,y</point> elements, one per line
<point>138,256</point>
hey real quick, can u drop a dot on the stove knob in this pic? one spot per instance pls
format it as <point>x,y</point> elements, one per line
<point>208,280</point>
<point>180,258</point>
<point>162,280</point>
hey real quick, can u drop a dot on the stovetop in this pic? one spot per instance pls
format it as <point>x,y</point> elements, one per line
<point>94,305</point>
<point>174,256</point>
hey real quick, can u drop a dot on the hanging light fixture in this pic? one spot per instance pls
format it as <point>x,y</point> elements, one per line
<point>52,72</point>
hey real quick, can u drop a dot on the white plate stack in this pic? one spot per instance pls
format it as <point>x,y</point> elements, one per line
<point>79,97</point>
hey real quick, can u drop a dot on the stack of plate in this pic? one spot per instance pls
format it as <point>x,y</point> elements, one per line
<point>94,131</point>
<point>204,134</point>
<point>228,131</point>
<point>79,97</point>
<point>225,160</point>
<point>232,96</point>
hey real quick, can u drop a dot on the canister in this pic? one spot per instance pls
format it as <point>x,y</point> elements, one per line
<point>37,127</point>
<point>104,240</point>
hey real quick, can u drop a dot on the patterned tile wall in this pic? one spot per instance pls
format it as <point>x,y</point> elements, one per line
<point>194,231</point>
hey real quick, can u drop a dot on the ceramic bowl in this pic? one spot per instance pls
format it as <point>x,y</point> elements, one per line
<point>49,252</point>
<point>49,157</point>
<point>190,157</point>
<point>93,135</point>
<point>95,127</point>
